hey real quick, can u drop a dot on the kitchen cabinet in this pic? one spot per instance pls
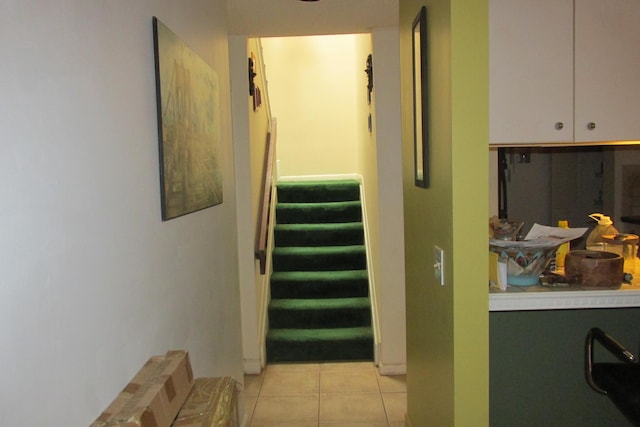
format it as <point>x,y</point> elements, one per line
<point>607,60</point>
<point>531,71</point>
<point>564,71</point>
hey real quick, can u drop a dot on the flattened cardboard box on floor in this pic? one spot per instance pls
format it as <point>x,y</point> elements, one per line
<point>154,396</point>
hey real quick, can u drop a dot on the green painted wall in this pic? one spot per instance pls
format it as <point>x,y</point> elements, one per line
<point>537,367</point>
<point>447,326</point>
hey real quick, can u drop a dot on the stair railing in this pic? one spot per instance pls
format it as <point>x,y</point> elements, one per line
<point>262,237</point>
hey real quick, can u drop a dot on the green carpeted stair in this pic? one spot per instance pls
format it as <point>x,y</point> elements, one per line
<point>320,308</point>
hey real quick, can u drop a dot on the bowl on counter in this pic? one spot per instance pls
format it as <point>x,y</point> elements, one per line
<point>596,269</point>
<point>524,262</point>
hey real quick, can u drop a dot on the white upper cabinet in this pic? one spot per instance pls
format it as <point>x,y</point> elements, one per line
<point>538,95</point>
<point>531,71</point>
<point>607,77</point>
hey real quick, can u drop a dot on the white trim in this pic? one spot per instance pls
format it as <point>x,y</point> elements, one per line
<point>263,75</point>
<point>263,323</point>
<point>564,300</point>
<point>321,177</point>
<point>375,319</point>
<point>392,369</point>
<point>252,366</point>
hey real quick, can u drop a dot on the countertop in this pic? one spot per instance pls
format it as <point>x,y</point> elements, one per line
<point>519,298</point>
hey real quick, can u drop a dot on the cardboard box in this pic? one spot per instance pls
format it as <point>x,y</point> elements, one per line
<point>146,408</point>
<point>154,396</point>
<point>176,378</point>
<point>143,375</point>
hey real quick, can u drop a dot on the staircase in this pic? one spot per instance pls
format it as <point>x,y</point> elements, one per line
<point>320,308</point>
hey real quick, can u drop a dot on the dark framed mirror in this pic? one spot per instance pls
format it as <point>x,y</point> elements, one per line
<point>420,99</point>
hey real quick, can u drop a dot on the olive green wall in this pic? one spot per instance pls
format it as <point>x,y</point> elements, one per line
<point>537,367</point>
<point>447,326</point>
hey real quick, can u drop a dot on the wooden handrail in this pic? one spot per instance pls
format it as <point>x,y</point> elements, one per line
<point>265,203</point>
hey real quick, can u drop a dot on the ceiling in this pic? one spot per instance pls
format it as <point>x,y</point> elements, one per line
<point>270,18</point>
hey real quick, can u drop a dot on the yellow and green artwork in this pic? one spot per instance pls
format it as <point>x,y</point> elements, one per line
<point>188,104</point>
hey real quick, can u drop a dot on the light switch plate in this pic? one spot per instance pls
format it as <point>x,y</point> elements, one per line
<point>438,264</point>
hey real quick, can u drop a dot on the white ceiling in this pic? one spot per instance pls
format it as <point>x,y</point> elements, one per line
<point>269,18</point>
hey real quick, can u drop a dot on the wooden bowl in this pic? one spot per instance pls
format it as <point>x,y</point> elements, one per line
<point>598,270</point>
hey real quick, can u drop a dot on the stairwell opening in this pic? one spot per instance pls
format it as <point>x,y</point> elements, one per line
<point>327,127</point>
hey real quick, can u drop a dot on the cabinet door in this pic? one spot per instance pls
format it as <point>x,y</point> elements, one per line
<point>531,71</point>
<point>607,70</point>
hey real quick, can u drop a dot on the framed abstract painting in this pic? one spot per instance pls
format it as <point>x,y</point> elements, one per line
<point>188,109</point>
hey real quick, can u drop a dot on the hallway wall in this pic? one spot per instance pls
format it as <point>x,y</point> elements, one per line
<point>390,276</point>
<point>92,282</point>
<point>250,127</point>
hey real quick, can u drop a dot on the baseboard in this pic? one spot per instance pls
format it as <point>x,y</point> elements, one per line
<point>392,368</point>
<point>252,366</point>
<point>373,296</point>
<point>321,177</point>
<point>266,293</point>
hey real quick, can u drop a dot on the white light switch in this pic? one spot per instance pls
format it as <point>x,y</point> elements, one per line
<point>438,264</point>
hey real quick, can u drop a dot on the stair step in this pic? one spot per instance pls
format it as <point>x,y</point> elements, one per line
<point>319,258</point>
<point>313,213</point>
<point>319,191</point>
<point>320,308</point>
<point>319,313</point>
<point>333,234</point>
<point>319,284</point>
<point>317,345</point>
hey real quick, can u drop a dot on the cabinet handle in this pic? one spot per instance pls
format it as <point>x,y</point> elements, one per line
<point>559,125</point>
<point>591,126</point>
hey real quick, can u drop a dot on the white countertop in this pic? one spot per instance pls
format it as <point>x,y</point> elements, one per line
<point>520,298</point>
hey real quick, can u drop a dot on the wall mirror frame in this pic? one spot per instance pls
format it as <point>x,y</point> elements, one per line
<point>420,99</point>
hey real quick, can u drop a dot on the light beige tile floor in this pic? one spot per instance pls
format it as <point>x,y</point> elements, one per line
<point>325,395</point>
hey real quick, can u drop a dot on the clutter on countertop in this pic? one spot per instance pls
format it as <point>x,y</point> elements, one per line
<point>527,259</point>
<point>595,269</point>
<point>561,254</point>
<point>503,229</point>
<point>595,239</point>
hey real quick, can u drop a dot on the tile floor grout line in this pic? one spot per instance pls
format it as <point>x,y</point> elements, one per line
<point>319,388</point>
<point>318,395</point>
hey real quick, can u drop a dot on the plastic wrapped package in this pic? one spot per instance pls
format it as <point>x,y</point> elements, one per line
<point>213,402</point>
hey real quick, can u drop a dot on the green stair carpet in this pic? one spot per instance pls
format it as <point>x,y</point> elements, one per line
<point>320,308</point>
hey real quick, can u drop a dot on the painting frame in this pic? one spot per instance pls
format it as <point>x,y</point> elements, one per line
<point>189,135</point>
<point>419,49</point>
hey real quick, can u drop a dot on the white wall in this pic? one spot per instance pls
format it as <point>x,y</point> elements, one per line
<point>312,87</point>
<point>92,282</point>
<point>250,130</point>
<point>391,276</point>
